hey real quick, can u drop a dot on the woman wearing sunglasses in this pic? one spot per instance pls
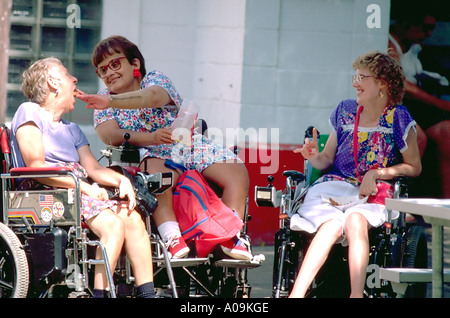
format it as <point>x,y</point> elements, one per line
<point>144,105</point>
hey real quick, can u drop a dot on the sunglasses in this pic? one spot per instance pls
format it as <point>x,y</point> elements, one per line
<point>114,65</point>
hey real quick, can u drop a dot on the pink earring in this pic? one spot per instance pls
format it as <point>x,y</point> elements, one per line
<point>136,72</point>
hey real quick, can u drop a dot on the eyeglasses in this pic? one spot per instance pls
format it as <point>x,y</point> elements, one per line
<point>114,65</point>
<point>358,78</point>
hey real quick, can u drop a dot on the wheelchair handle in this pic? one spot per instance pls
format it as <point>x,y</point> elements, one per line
<point>309,132</point>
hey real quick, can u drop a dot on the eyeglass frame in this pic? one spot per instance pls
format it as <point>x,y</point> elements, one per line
<point>109,66</point>
<point>357,78</point>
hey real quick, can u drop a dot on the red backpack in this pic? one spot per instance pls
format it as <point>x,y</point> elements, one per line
<point>202,215</point>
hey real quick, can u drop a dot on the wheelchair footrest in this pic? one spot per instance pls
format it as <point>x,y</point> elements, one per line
<point>410,275</point>
<point>183,262</point>
<point>236,263</point>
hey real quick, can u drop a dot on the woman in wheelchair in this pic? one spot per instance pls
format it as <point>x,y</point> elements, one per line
<point>354,165</point>
<point>41,137</point>
<point>145,105</point>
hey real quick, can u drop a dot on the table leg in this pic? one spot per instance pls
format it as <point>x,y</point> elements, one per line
<point>436,261</point>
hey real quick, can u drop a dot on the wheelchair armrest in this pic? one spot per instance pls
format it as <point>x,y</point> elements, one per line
<point>42,171</point>
<point>295,175</point>
<point>402,180</point>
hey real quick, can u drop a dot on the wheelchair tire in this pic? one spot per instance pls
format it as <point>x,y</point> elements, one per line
<point>14,273</point>
<point>415,256</point>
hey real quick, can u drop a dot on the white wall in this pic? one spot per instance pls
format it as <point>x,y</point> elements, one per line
<point>298,57</point>
<point>254,63</point>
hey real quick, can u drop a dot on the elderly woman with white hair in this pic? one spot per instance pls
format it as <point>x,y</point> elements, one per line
<point>40,137</point>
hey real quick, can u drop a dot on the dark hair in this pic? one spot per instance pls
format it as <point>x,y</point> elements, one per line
<point>385,69</point>
<point>117,44</point>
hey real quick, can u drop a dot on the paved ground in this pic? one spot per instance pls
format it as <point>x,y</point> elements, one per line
<point>261,278</point>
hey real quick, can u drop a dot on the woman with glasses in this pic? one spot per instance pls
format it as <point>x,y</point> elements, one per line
<point>354,164</point>
<point>145,105</point>
<point>40,137</point>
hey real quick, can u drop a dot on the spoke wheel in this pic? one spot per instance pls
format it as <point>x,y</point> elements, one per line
<point>13,265</point>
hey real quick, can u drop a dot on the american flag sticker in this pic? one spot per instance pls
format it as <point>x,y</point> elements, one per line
<point>46,200</point>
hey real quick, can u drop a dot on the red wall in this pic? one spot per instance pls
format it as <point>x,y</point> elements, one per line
<point>264,220</point>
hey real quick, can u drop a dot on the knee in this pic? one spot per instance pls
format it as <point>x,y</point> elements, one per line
<point>356,223</point>
<point>134,222</point>
<point>112,226</point>
<point>333,228</point>
<point>239,179</point>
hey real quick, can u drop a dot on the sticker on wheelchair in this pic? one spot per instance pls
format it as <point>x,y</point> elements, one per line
<point>58,209</point>
<point>343,203</point>
<point>46,214</point>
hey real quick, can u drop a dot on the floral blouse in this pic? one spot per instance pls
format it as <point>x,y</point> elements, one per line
<point>203,152</point>
<point>379,146</point>
<point>144,119</point>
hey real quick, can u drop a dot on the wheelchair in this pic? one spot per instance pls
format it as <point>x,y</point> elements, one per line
<point>46,251</point>
<point>394,244</point>
<point>213,276</point>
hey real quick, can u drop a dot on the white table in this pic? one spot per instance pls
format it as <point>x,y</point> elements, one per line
<point>437,213</point>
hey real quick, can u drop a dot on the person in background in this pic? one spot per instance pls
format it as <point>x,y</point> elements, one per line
<point>40,137</point>
<point>355,164</point>
<point>432,113</point>
<point>145,105</point>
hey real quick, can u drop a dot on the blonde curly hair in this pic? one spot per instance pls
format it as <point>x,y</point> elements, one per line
<point>387,70</point>
<point>34,79</point>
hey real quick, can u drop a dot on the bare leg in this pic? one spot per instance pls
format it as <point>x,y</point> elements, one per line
<point>137,246</point>
<point>111,231</point>
<point>315,257</point>
<point>233,179</point>
<point>356,229</point>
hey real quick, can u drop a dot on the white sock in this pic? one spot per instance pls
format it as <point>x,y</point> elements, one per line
<point>169,229</point>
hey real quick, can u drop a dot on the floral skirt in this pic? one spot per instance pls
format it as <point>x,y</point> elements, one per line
<point>199,156</point>
<point>90,207</point>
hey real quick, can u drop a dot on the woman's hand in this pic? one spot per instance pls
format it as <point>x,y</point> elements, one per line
<point>369,184</point>
<point>310,149</point>
<point>126,190</point>
<point>94,191</point>
<point>162,136</point>
<point>94,101</point>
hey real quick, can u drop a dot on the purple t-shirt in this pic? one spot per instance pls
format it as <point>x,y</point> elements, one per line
<point>379,146</point>
<point>61,140</point>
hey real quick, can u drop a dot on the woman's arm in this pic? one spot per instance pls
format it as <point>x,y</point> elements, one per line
<point>410,167</point>
<point>29,139</point>
<point>105,176</point>
<point>111,134</point>
<point>319,160</point>
<point>151,97</point>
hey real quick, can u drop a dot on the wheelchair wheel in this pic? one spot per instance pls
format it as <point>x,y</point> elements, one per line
<point>290,248</point>
<point>415,256</point>
<point>13,265</point>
